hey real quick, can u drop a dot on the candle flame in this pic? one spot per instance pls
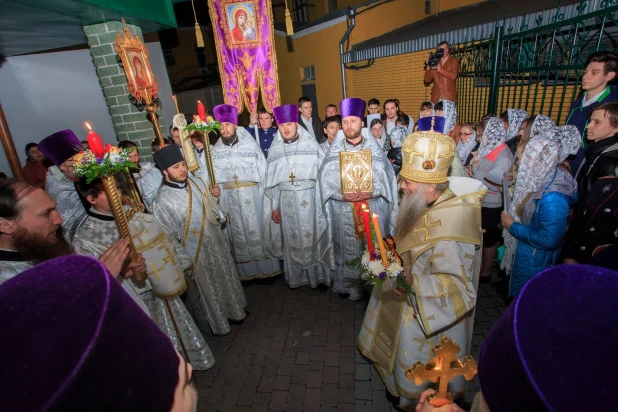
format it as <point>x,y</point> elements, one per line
<point>374,215</point>
<point>88,126</point>
<point>198,102</point>
<point>363,207</point>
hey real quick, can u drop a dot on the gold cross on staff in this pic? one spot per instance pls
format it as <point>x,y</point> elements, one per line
<point>292,177</point>
<point>440,295</point>
<point>441,369</point>
<point>426,226</point>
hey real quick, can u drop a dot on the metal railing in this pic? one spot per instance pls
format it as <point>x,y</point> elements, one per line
<point>538,70</point>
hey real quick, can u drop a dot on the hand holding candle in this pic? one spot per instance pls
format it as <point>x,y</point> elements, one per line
<point>370,245</point>
<point>376,227</point>
<point>94,142</point>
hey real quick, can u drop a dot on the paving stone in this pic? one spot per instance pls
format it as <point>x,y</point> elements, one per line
<point>299,375</point>
<point>314,379</point>
<point>286,368</point>
<point>316,366</point>
<point>247,393</point>
<point>255,374</point>
<point>296,394</point>
<point>262,398</point>
<point>331,374</point>
<point>380,402</point>
<point>364,406</point>
<point>347,365</point>
<point>363,372</point>
<point>266,384</point>
<point>258,408</point>
<point>282,383</point>
<point>346,380</point>
<point>331,358</point>
<point>302,358</point>
<point>294,407</point>
<point>347,395</point>
<point>328,409</point>
<point>278,400</point>
<point>377,383</point>
<point>363,390</point>
<point>311,402</point>
<point>346,408</point>
<point>330,394</point>
<point>240,408</point>
<point>216,393</point>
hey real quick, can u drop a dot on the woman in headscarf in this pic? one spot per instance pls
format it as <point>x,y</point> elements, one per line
<point>447,109</point>
<point>494,161</point>
<point>378,132</point>
<point>467,143</point>
<point>536,221</point>
<point>397,136</point>
<point>513,120</point>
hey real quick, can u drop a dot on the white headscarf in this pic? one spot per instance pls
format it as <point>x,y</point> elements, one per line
<point>464,149</point>
<point>398,135</point>
<point>493,136</point>
<point>515,117</point>
<point>450,115</point>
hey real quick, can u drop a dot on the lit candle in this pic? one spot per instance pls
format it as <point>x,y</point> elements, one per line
<point>176,104</point>
<point>201,110</point>
<point>368,230</point>
<point>94,142</point>
<point>376,227</point>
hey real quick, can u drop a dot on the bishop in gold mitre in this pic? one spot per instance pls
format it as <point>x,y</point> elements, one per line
<point>439,238</point>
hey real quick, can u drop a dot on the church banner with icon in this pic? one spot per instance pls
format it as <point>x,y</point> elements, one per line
<point>243,31</point>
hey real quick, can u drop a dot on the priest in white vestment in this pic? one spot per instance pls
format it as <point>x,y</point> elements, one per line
<point>98,233</point>
<point>439,238</point>
<point>240,170</point>
<point>343,210</point>
<point>295,228</point>
<point>188,210</point>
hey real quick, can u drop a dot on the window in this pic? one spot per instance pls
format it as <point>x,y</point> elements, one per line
<point>308,73</point>
<point>427,6</point>
<point>332,5</point>
<point>170,59</point>
<point>300,11</point>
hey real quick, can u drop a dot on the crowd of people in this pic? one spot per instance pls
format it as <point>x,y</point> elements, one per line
<point>514,193</point>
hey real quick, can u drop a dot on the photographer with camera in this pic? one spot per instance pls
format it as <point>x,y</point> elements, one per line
<point>442,69</point>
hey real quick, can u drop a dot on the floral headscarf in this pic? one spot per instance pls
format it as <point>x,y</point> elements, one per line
<point>450,115</point>
<point>493,136</point>
<point>398,135</point>
<point>516,117</point>
<point>569,138</point>
<point>464,149</point>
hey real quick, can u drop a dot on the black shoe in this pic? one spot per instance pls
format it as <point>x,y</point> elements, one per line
<point>322,287</point>
<point>485,279</point>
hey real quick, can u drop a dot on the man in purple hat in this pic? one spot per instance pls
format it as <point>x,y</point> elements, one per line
<point>292,206</point>
<point>80,343</point>
<point>240,170</point>
<point>59,148</point>
<point>348,242</point>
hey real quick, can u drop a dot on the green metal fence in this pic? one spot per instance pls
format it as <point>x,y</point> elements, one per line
<point>538,70</point>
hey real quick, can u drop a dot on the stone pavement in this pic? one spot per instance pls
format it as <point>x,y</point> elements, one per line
<point>296,351</point>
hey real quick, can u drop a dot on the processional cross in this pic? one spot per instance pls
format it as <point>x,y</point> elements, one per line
<point>441,369</point>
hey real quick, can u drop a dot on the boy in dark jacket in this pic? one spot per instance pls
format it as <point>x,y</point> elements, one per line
<point>601,69</point>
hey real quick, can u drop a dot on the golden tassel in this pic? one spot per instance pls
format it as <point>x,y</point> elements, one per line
<point>198,35</point>
<point>288,20</point>
<point>198,29</point>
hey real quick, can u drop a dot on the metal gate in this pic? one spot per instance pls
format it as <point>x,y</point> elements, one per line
<point>538,70</point>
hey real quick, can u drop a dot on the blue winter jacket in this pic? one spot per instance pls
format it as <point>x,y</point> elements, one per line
<point>578,117</point>
<point>539,242</point>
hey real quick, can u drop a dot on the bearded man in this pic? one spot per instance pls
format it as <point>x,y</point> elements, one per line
<point>343,211</point>
<point>295,229</point>
<point>439,238</point>
<point>188,210</point>
<point>60,148</point>
<point>30,233</point>
<point>240,170</point>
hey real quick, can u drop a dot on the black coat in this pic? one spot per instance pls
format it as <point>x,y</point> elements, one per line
<point>316,123</point>
<point>601,160</point>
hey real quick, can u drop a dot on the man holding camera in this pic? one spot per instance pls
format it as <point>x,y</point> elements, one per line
<point>442,69</point>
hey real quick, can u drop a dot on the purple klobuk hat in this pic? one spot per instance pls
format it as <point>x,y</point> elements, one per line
<point>288,113</point>
<point>425,124</point>
<point>60,146</point>
<point>553,346</point>
<point>225,113</point>
<point>352,107</point>
<point>73,339</point>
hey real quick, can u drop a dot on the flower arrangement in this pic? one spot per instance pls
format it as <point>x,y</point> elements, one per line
<point>206,127</point>
<point>372,270</point>
<point>103,162</point>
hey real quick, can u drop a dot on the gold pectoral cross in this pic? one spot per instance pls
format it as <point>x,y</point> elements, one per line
<point>292,177</point>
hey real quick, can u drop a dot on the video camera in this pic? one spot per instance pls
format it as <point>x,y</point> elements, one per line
<point>434,58</point>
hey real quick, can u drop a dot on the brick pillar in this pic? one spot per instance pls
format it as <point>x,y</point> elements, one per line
<point>129,122</point>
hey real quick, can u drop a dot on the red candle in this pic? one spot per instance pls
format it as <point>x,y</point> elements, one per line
<point>201,110</point>
<point>94,142</point>
<point>368,230</point>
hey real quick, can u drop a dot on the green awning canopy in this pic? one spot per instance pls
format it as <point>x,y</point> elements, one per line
<point>28,26</point>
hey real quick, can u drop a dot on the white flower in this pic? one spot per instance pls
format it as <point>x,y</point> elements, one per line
<point>375,267</point>
<point>114,158</point>
<point>394,269</point>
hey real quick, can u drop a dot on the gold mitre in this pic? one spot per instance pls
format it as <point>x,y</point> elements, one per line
<point>427,154</point>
